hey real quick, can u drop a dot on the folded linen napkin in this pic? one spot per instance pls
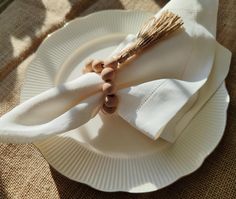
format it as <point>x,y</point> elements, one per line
<point>153,98</point>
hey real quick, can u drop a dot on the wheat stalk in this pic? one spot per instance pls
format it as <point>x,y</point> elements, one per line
<point>152,32</point>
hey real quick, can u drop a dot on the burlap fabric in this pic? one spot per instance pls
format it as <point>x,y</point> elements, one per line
<point>23,171</point>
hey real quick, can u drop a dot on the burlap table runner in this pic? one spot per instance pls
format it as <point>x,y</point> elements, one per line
<point>23,171</point>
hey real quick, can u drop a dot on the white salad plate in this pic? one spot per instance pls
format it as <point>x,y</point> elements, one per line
<point>106,153</point>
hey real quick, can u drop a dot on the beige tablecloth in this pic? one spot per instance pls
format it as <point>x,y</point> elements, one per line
<point>23,171</point>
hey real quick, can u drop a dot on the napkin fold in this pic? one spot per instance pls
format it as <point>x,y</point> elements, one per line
<point>159,92</point>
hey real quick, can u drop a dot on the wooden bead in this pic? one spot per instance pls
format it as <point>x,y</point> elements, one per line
<point>111,63</point>
<point>108,88</point>
<point>111,101</point>
<point>108,74</point>
<point>97,65</point>
<point>88,66</point>
<point>108,110</point>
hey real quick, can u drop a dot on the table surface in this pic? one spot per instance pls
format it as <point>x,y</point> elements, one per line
<point>25,174</point>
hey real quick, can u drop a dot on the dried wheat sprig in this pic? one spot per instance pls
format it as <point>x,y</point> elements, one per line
<point>153,31</point>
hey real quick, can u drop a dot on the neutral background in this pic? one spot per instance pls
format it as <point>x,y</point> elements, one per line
<point>23,171</point>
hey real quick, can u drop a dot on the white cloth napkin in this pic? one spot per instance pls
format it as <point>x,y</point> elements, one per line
<point>159,93</point>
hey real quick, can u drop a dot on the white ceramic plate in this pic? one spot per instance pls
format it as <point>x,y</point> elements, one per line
<point>106,153</point>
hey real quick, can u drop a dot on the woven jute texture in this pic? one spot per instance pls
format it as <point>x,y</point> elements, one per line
<point>24,173</point>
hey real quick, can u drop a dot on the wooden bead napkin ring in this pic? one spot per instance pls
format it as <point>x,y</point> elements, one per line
<point>107,71</point>
<point>152,32</point>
